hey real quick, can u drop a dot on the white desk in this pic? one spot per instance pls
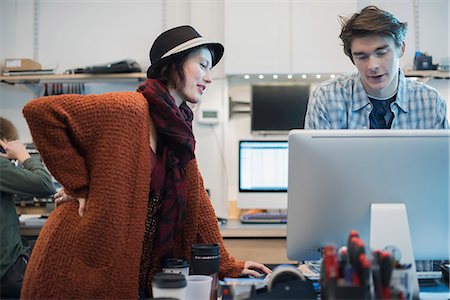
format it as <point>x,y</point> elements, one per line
<point>264,243</point>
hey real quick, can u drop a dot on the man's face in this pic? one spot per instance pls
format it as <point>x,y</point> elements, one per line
<point>377,60</point>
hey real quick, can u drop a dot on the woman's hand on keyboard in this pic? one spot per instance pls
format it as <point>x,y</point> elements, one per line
<point>255,269</point>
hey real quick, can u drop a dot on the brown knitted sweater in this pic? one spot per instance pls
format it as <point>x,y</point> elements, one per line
<point>98,147</point>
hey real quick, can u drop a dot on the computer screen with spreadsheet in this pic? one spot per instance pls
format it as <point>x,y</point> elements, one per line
<point>263,172</point>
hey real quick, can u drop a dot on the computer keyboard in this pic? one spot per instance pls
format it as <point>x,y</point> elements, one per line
<point>428,269</point>
<point>265,218</point>
<point>424,269</point>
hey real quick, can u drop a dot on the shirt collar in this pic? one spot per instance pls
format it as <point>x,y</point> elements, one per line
<point>402,96</point>
<point>360,98</point>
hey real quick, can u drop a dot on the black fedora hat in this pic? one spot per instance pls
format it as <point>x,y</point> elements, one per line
<point>175,42</point>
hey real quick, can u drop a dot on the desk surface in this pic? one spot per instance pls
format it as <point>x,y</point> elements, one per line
<point>233,229</point>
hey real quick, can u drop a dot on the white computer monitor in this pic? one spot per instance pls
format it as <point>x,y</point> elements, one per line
<point>335,176</point>
<point>263,174</point>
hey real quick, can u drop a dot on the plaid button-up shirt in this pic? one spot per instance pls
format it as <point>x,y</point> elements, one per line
<point>342,103</point>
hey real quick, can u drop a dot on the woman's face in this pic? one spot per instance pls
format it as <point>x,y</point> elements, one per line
<point>197,72</point>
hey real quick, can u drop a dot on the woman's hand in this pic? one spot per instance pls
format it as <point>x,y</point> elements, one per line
<point>250,268</point>
<point>61,197</point>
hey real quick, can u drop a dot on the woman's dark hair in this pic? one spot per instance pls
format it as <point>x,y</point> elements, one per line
<point>371,21</point>
<point>8,131</point>
<point>172,74</point>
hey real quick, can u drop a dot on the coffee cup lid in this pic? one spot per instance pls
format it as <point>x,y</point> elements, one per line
<point>206,249</point>
<point>169,280</point>
<point>175,263</point>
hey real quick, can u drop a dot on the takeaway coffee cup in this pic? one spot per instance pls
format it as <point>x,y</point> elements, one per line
<point>169,285</point>
<point>176,266</point>
<point>205,260</point>
<point>198,287</point>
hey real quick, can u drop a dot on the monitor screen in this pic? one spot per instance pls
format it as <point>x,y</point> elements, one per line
<point>335,176</point>
<point>278,108</point>
<point>263,172</point>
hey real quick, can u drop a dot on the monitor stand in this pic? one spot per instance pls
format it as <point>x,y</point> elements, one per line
<point>389,227</point>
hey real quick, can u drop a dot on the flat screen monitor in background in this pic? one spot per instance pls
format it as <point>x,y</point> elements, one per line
<point>263,172</point>
<point>278,108</point>
<point>335,176</point>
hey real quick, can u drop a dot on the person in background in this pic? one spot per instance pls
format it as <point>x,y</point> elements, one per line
<point>30,178</point>
<point>378,96</point>
<point>128,158</point>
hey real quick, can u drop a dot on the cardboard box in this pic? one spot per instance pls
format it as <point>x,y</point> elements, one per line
<point>21,64</point>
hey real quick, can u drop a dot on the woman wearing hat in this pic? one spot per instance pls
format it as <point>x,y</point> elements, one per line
<point>128,158</point>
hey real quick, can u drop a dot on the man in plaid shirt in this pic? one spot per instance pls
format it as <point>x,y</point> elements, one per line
<point>378,96</point>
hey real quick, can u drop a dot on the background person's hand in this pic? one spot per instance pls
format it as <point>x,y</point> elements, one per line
<point>251,267</point>
<point>14,150</point>
<point>61,196</point>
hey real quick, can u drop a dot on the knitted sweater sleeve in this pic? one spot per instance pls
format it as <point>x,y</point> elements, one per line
<point>208,232</point>
<point>53,122</point>
<point>75,133</point>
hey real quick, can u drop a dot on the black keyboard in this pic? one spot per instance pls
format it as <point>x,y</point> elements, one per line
<point>429,269</point>
<point>264,218</point>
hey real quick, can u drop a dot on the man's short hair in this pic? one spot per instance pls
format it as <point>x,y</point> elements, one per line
<point>8,131</point>
<point>371,21</point>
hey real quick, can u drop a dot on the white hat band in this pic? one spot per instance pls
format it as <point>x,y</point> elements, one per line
<point>186,45</point>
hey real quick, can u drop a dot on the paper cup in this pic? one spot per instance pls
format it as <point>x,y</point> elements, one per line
<point>169,285</point>
<point>198,287</point>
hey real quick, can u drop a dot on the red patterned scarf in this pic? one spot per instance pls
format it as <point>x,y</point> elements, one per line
<point>175,149</point>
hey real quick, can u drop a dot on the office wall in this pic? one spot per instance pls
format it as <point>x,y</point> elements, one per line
<point>80,33</point>
<point>428,31</point>
<point>77,33</point>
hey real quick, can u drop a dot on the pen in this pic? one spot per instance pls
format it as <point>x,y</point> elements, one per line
<point>386,273</point>
<point>350,249</point>
<point>376,277</point>
<point>331,270</point>
<point>331,265</point>
<point>342,261</point>
<point>352,234</point>
<point>365,270</point>
<point>356,248</point>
